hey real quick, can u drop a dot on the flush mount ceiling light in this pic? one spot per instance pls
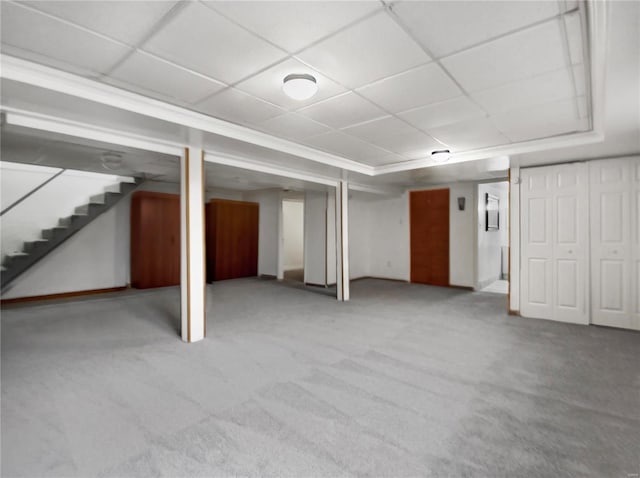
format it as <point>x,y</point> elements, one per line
<point>299,86</point>
<point>112,161</point>
<point>441,155</point>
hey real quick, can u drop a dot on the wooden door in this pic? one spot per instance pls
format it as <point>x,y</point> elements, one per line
<point>555,264</point>
<point>232,239</point>
<point>155,239</point>
<point>615,239</point>
<point>429,218</point>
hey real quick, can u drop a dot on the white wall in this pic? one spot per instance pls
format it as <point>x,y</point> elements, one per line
<point>389,242</point>
<point>293,234</point>
<point>18,179</point>
<point>359,237</point>
<point>462,238</point>
<point>97,257</point>
<point>490,243</point>
<point>315,237</point>
<point>269,247</point>
<point>331,238</point>
<point>45,207</point>
<point>390,239</point>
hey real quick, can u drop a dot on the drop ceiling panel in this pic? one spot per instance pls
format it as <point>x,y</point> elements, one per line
<point>417,87</point>
<point>293,126</point>
<point>158,76</point>
<point>208,43</point>
<point>368,51</point>
<point>574,37</point>
<point>52,39</point>
<point>446,112</point>
<point>445,27</point>
<point>128,22</point>
<point>384,160</point>
<point>468,135</point>
<point>238,107</point>
<point>580,79</point>
<point>515,57</point>
<point>394,135</point>
<point>345,145</point>
<point>268,85</point>
<point>545,88</point>
<point>344,110</point>
<point>294,25</point>
<point>539,121</point>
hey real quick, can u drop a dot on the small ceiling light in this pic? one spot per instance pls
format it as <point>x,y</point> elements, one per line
<point>112,161</point>
<point>299,86</point>
<point>441,156</point>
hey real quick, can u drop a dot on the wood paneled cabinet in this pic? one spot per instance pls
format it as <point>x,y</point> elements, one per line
<point>155,239</point>
<point>231,239</point>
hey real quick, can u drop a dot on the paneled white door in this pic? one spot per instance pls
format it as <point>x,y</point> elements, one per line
<point>554,241</point>
<point>615,242</point>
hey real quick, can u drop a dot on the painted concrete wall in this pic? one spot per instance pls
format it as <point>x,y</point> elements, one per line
<point>293,234</point>
<point>490,243</point>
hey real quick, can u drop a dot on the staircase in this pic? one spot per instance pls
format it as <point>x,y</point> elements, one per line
<point>15,264</point>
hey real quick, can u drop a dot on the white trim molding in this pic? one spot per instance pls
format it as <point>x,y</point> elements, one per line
<point>251,165</point>
<point>26,119</point>
<point>30,73</point>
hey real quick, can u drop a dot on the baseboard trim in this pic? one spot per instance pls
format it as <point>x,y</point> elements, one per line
<point>380,278</point>
<point>62,295</point>
<point>462,287</point>
<point>311,284</point>
<point>513,312</point>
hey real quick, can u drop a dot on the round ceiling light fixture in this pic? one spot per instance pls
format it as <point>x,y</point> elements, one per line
<point>441,155</point>
<point>112,161</point>
<point>299,86</point>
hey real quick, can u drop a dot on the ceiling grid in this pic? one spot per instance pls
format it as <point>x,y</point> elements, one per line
<point>370,132</point>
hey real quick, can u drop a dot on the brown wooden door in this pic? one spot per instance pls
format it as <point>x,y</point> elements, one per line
<point>232,239</point>
<point>429,217</point>
<point>155,239</point>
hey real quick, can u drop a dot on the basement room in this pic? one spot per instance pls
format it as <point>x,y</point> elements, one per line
<point>383,238</point>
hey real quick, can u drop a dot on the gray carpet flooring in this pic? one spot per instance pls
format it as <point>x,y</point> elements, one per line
<point>404,380</point>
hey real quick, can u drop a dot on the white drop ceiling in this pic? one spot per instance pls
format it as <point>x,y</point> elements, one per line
<point>397,79</point>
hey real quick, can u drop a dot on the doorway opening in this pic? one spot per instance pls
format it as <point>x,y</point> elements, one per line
<point>293,239</point>
<point>493,237</point>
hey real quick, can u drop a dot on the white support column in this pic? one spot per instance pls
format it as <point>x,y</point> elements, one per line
<point>192,246</point>
<point>514,240</point>
<point>342,240</point>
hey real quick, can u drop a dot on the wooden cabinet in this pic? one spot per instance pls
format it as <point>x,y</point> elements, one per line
<point>155,239</point>
<point>231,239</point>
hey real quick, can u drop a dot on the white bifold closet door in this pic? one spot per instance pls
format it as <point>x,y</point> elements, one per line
<point>554,241</point>
<point>615,242</point>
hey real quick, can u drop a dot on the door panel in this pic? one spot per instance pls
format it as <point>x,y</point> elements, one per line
<point>553,231</point>
<point>538,269</point>
<point>429,218</point>
<point>567,281</point>
<point>614,194</point>
<point>612,286</point>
